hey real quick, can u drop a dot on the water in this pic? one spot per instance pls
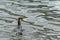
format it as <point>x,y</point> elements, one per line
<point>41,19</point>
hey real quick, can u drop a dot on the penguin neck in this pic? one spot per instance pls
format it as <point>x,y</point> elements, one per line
<point>19,24</point>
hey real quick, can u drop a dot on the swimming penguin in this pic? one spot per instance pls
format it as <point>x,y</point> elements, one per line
<point>19,27</point>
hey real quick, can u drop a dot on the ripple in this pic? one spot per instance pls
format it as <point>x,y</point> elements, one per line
<point>41,21</point>
<point>9,12</point>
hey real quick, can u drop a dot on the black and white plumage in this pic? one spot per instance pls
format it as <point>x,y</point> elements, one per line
<point>19,27</point>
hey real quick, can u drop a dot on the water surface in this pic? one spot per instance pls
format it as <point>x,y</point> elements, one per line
<point>41,19</point>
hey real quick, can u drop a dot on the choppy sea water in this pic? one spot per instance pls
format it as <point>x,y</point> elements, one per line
<point>41,19</point>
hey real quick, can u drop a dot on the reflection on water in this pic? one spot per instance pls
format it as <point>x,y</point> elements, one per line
<point>41,19</point>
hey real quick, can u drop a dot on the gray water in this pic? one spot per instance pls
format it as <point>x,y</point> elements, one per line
<point>41,19</point>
